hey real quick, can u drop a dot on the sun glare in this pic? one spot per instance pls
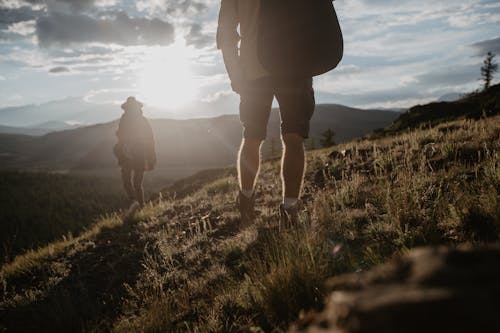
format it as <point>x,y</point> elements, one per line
<point>166,79</point>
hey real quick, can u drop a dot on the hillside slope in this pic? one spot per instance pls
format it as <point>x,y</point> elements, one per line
<point>181,264</point>
<point>472,106</point>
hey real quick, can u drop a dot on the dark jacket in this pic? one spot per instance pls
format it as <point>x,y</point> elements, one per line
<point>136,146</point>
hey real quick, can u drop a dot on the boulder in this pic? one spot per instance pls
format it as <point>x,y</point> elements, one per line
<point>427,290</point>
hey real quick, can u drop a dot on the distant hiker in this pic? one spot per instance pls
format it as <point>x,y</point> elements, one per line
<point>284,43</point>
<point>135,149</point>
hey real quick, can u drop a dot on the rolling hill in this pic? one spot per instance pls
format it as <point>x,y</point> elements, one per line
<point>22,130</point>
<point>38,130</point>
<point>473,106</point>
<point>183,146</point>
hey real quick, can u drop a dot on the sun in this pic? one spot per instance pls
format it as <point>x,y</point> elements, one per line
<point>165,77</point>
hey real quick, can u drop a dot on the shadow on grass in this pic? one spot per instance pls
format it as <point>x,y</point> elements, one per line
<point>90,296</point>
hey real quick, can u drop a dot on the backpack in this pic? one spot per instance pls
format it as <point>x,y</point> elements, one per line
<point>299,38</point>
<point>122,153</point>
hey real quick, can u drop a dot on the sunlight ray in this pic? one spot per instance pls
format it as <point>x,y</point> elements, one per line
<point>165,79</point>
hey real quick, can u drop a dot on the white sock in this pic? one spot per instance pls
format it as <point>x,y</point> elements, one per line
<point>247,193</point>
<point>289,202</point>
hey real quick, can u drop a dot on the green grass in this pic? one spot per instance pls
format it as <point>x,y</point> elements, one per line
<point>196,272</point>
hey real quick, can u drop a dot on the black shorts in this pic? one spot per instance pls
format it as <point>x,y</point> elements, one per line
<point>295,98</point>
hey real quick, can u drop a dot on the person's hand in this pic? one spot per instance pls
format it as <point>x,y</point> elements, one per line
<point>234,68</point>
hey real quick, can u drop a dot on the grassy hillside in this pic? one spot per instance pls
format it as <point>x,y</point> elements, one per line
<point>471,106</point>
<point>181,265</point>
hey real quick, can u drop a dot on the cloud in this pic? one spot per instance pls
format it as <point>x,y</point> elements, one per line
<point>485,46</point>
<point>398,86</point>
<point>74,4</point>
<point>185,6</point>
<point>348,69</point>
<point>10,16</point>
<point>448,76</point>
<point>24,28</point>
<point>198,39</point>
<point>59,69</point>
<point>473,19</point>
<point>172,7</point>
<point>16,4</point>
<point>217,96</point>
<point>66,29</point>
<point>398,52</point>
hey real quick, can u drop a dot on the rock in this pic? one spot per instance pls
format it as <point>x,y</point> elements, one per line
<point>428,290</point>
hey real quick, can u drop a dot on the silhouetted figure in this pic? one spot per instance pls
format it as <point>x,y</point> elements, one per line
<point>135,149</point>
<point>259,72</point>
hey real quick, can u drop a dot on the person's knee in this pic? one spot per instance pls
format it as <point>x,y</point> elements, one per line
<point>293,140</point>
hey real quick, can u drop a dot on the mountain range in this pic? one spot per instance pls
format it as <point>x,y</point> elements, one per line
<point>78,111</point>
<point>184,146</point>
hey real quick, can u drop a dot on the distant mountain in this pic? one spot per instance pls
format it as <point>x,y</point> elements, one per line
<point>76,110</point>
<point>69,110</point>
<point>57,125</point>
<point>37,130</point>
<point>23,130</point>
<point>183,146</point>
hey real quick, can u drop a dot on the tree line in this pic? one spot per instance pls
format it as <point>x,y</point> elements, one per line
<point>38,208</point>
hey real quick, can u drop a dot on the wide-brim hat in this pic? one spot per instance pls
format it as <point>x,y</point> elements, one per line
<point>131,103</point>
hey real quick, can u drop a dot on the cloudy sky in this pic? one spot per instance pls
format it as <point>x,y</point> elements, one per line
<point>397,52</point>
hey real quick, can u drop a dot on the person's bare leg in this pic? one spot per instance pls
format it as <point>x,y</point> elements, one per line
<point>248,163</point>
<point>137,180</point>
<point>292,165</point>
<point>127,182</point>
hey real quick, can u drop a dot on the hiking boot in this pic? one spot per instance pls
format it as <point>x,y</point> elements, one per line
<point>135,205</point>
<point>289,217</point>
<point>131,210</point>
<point>246,207</point>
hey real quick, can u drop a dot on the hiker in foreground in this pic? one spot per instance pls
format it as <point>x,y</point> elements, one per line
<point>135,150</point>
<point>283,45</point>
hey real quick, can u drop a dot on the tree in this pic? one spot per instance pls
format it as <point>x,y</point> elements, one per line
<point>327,138</point>
<point>488,69</point>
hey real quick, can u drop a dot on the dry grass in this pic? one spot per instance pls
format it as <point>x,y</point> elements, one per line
<point>36,259</point>
<point>198,273</point>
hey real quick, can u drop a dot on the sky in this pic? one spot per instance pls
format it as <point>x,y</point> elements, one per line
<point>398,53</point>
